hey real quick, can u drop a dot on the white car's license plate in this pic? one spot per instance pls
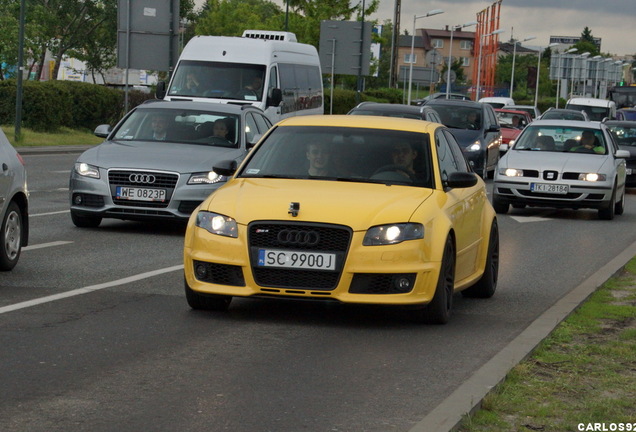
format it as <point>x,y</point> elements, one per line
<point>296,259</point>
<point>560,189</point>
<point>140,194</point>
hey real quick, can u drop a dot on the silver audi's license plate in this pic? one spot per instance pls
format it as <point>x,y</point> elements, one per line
<point>140,194</point>
<point>296,259</point>
<point>559,189</point>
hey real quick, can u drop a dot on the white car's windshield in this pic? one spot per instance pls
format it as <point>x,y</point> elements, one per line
<point>180,126</point>
<point>562,139</point>
<point>344,154</point>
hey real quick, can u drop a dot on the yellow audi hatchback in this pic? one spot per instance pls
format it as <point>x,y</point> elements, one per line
<point>356,209</point>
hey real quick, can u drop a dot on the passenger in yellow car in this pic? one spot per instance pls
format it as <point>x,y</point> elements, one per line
<point>319,155</point>
<point>404,155</point>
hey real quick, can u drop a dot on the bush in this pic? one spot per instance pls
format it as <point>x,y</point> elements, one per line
<point>49,105</point>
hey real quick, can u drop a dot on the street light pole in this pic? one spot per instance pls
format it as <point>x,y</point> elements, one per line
<point>558,95</point>
<point>536,90</point>
<point>450,57</point>
<point>514,53</point>
<point>582,57</point>
<point>498,31</point>
<point>415,18</point>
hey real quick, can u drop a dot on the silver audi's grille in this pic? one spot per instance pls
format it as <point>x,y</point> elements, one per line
<point>144,180</point>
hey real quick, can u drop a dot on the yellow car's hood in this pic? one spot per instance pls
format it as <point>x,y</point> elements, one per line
<point>358,205</point>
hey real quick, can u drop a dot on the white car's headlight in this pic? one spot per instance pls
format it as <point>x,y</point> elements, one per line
<point>205,178</point>
<point>592,177</point>
<point>86,170</point>
<point>217,224</point>
<point>392,234</point>
<point>510,172</point>
<point>474,147</point>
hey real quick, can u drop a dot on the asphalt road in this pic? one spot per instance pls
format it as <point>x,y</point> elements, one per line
<point>96,334</point>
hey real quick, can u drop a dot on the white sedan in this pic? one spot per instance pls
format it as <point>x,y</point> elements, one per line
<point>562,164</point>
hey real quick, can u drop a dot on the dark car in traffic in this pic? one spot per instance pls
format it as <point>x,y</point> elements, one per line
<point>476,129</point>
<point>396,110</point>
<point>624,132</point>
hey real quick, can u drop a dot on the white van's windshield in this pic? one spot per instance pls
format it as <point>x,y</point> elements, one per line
<point>218,80</point>
<point>595,113</point>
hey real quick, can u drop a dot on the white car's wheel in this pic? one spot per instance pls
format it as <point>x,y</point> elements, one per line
<point>11,237</point>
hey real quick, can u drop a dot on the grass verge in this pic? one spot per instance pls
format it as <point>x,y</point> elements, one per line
<point>63,137</point>
<point>583,374</point>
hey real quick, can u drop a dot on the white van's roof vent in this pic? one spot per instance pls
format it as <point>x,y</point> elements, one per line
<point>270,35</point>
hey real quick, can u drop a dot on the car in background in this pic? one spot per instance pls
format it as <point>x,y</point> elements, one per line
<point>564,114</point>
<point>530,109</point>
<point>14,205</point>
<point>626,114</point>
<point>479,139</point>
<point>396,110</point>
<point>549,166</point>
<point>625,134</point>
<point>379,225</point>
<point>442,95</point>
<point>497,102</point>
<point>596,109</point>
<point>135,175</point>
<point>510,129</point>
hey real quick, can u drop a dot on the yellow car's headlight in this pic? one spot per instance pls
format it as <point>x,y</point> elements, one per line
<point>393,233</point>
<point>217,224</point>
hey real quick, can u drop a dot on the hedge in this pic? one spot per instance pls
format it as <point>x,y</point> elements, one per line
<point>50,105</point>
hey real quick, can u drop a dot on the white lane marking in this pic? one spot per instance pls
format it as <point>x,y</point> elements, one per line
<point>49,213</point>
<point>44,245</point>
<point>523,219</point>
<point>88,289</point>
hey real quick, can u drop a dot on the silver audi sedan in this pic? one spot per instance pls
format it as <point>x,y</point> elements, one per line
<point>563,164</point>
<point>156,163</point>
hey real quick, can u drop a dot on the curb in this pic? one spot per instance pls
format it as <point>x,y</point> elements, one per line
<point>467,398</point>
<point>52,149</point>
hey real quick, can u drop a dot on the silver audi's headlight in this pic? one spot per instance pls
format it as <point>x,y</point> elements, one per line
<point>393,234</point>
<point>217,224</point>
<point>209,177</point>
<point>592,177</point>
<point>86,170</point>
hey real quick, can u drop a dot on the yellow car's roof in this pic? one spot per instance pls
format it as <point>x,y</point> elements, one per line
<point>362,121</point>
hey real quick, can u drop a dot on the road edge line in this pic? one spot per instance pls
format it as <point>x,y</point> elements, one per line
<point>467,398</point>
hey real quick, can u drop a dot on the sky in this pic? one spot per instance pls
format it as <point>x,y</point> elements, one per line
<point>611,20</point>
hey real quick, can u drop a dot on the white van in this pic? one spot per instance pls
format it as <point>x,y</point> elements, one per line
<point>498,102</point>
<point>267,69</point>
<point>596,109</point>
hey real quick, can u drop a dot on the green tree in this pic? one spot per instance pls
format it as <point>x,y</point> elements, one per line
<point>586,43</point>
